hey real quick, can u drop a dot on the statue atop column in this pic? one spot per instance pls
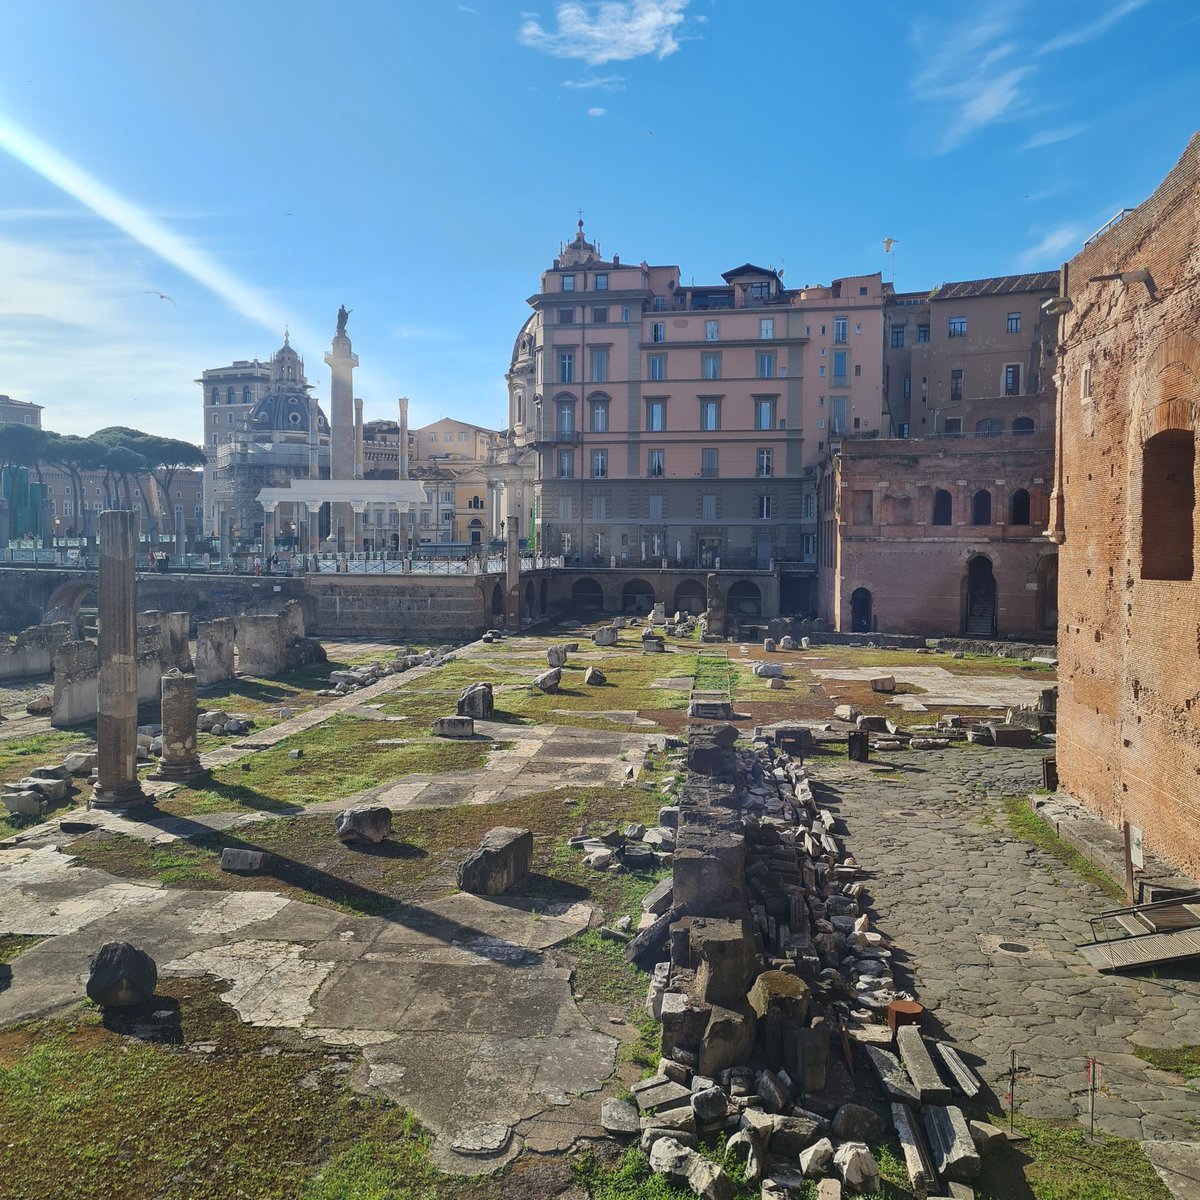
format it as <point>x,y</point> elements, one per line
<point>343,315</point>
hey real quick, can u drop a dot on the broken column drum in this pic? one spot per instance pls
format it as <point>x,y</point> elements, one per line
<point>116,719</point>
<point>179,757</point>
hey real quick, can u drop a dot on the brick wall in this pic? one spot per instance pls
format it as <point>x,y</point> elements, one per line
<point>1129,634</point>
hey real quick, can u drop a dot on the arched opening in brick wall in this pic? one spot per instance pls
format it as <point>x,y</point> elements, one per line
<point>744,600</point>
<point>1047,592</point>
<point>528,600</point>
<point>980,616</point>
<point>587,596</point>
<point>543,598</point>
<point>862,614</point>
<point>497,602</point>
<point>981,507</point>
<point>1023,425</point>
<point>1018,508</point>
<point>690,597</point>
<point>637,596</point>
<point>1168,505</point>
<point>943,507</point>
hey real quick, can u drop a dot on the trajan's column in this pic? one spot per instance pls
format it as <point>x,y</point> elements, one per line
<point>342,360</point>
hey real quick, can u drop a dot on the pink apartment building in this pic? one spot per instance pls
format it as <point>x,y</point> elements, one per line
<point>685,422</point>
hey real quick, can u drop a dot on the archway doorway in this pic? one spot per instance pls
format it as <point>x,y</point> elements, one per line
<point>862,613</point>
<point>587,596</point>
<point>980,620</point>
<point>744,599</point>
<point>497,602</point>
<point>476,531</point>
<point>637,596</point>
<point>543,598</point>
<point>690,597</point>
<point>530,600</point>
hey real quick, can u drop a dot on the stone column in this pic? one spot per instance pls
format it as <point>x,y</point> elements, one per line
<point>268,530</point>
<point>314,526</point>
<point>358,507</point>
<point>179,758</point>
<point>116,717</point>
<point>341,360</point>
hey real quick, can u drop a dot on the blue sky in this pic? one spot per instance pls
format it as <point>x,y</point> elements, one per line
<point>421,162</point>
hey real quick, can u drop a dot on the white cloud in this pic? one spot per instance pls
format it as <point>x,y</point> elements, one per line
<point>1051,137</point>
<point>609,31</point>
<point>1053,247</point>
<point>597,112</point>
<point>465,8</point>
<point>425,333</point>
<point>970,75</point>
<point>1095,29</point>
<point>604,83</point>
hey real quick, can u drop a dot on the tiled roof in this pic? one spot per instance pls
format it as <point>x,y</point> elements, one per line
<point>1000,285</point>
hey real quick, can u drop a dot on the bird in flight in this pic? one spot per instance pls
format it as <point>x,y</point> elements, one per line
<point>888,243</point>
<point>160,295</point>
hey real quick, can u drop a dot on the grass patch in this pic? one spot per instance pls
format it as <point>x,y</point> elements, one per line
<point>602,972</point>
<point>254,1116</point>
<point>1183,1060</point>
<point>13,944</point>
<point>1029,827</point>
<point>341,756</point>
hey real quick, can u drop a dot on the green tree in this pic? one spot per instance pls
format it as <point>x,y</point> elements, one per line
<point>22,446</point>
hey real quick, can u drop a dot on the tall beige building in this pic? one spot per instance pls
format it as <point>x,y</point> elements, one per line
<point>685,422</point>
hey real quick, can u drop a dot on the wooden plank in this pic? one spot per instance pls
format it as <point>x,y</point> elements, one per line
<point>1142,951</point>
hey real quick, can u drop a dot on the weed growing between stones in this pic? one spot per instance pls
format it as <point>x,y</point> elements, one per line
<point>1029,827</point>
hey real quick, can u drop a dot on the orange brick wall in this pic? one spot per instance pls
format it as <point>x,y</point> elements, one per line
<point>1129,647</point>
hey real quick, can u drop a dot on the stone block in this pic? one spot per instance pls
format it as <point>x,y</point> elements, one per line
<point>594,677</point>
<point>503,858</point>
<point>856,1123</point>
<point>658,899</point>
<point>244,861</point>
<point>766,670</point>
<point>724,955</point>
<point>950,1143</point>
<point>366,823</point>
<point>785,994</point>
<point>214,651</point>
<point>769,645</point>
<point>548,681</point>
<point>52,790</point>
<point>24,803</point>
<point>454,727</point>
<point>654,645</point>
<point>476,701</point>
<point>857,1168</point>
<point>728,1039</point>
<point>892,1076</point>
<point>845,712</point>
<point>922,1070</point>
<point>817,1159</point>
<point>556,656</point>
<point>883,683</point>
<point>607,636</point>
<point>619,1118</point>
<point>121,976</point>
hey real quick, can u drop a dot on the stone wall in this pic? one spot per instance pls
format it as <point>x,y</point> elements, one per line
<point>76,680</point>
<point>1129,637</point>
<point>214,651</point>
<point>912,574</point>
<point>31,652</point>
<point>421,607</point>
<point>269,644</point>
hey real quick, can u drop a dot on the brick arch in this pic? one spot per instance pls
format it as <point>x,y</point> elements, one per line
<point>1168,389</point>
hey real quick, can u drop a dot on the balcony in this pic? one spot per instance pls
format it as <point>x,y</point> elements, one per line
<point>560,437</point>
<point>839,381</point>
<point>709,473</point>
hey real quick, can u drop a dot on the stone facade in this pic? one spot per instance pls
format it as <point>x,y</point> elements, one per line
<point>1125,511</point>
<point>214,651</point>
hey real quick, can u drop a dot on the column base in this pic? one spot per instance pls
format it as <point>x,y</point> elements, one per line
<point>178,771</point>
<point>127,795</point>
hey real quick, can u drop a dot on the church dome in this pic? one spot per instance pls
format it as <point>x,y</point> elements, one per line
<point>286,413</point>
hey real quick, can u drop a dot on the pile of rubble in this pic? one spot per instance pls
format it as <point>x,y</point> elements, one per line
<point>352,678</point>
<point>774,994</point>
<point>43,786</point>
<point>634,848</point>
<point>216,721</point>
<point>1021,728</point>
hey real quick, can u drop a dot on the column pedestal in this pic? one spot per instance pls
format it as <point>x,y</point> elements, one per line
<point>179,757</point>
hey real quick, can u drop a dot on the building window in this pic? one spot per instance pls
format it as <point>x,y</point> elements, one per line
<point>598,411</point>
<point>566,464</point>
<point>981,507</point>
<point>808,506</point>
<point>599,464</point>
<point>710,415</point>
<point>433,437</point>
<point>656,510</point>
<point>1168,505</point>
<point>656,367</point>
<point>658,331</point>
<point>857,370</point>
<point>600,315</point>
<point>602,283</point>
<point>957,327</point>
<point>862,507</point>
<point>246,394</point>
<point>988,427</point>
<point>566,366</point>
<point>654,464</point>
<point>1012,379</point>
<point>656,416</point>
<point>564,508</point>
<point>1023,426</point>
<point>922,333</point>
<point>568,283</point>
<point>708,462</point>
<point>229,395</point>
<point>907,387</point>
<point>712,331</point>
<point>1014,322</point>
<point>808,543</point>
<point>708,508</point>
<point>764,507</point>
<point>599,508</point>
<point>837,413</point>
<point>1085,382</point>
<point>956,385</point>
<point>599,365</point>
<point>766,328</point>
<point>897,337</point>
<point>840,330</point>
<point>839,368</point>
<point>448,497</point>
<point>565,414</point>
<point>943,507</point>
<point>766,364</point>
<point>625,312</point>
<point>821,370</point>
<point>764,459</point>
<point>566,316</point>
<point>710,366</point>
<point>1019,507</point>
<point>660,303</point>
<point>764,413</point>
<point>216,396</point>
